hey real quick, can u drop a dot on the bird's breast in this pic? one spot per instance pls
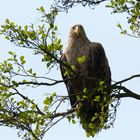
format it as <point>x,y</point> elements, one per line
<point>77,55</point>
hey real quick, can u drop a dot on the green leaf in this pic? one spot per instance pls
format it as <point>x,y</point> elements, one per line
<point>97,98</point>
<point>22,60</point>
<point>58,41</point>
<point>55,28</point>
<point>32,35</point>
<point>7,37</point>
<point>15,83</point>
<point>42,9</point>
<point>73,121</point>
<point>25,27</point>
<point>30,71</point>
<point>85,90</point>
<point>124,32</point>
<point>10,59</point>
<point>133,19</point>
<point>12,99</point>
<point>81,59</point>
<point>19,28</point>
<point>7,21</point>
<point>34,74</point>
<point>47,101</point>
<point>40,32</point>
<point>10,52</point>
<point>93,118</point>
<point>44,36</point>
<point>33,106</point>
<point>119,25</point>
<point>66,73</point>
<point>88,135</point>
<point>54,94</point>
<point>101,83</point>
<point>91,125</point>
<point>12,24</point>
<point>132,27</point>
<point>93,133</point>
<point>73,67</point>
<point>85,97</point>
<point>3,88</point>
<point>24,81</point>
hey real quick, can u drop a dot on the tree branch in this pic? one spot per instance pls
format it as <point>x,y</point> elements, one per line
<point>65,5</point>
<point>72,110</point>
<point>127,79</point>
<point>127,93</point>
<point>26,98</point>
<point>32,83</point>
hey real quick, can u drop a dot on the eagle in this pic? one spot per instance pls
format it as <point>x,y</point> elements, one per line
<point>86,73</point>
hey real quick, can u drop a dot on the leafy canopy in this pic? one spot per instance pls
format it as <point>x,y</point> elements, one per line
<point>17,109</point>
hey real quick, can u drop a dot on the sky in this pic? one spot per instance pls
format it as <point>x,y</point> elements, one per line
<point>122,52</point>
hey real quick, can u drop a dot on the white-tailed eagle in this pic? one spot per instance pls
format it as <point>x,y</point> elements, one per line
<point>87,80</point>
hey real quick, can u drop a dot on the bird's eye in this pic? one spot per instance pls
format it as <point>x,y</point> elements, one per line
<point>73,27</point>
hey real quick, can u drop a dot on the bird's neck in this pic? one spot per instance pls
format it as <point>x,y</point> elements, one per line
<point>78,40</point>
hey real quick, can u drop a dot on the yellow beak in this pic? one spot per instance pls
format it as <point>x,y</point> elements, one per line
<point>77,30</point>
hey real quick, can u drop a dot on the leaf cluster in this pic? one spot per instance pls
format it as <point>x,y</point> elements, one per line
<point>16,109</point>
<point>41,39</point>
<point>132,9</point>
<point>94,109</point>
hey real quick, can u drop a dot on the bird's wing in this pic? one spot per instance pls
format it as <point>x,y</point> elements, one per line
<point>99,62</point>
<point>62,67</point>
<point>68,82</point>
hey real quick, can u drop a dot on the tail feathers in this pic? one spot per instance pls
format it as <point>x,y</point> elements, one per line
<point>92,118</point>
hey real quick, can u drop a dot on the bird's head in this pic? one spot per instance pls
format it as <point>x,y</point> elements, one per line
<point>77,31</point>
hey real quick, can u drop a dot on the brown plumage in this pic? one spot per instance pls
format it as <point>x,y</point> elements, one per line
<point>86,86</point>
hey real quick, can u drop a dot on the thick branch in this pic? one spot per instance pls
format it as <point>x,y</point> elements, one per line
<point>127,93</point>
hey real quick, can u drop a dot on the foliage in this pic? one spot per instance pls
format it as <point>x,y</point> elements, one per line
<point>81,59</point>
<point>30,118</point>
<point>95,122</point>
<point>16,109</point>
<point>131,8</point>
<point>42,40</point>
<point>67,4</point>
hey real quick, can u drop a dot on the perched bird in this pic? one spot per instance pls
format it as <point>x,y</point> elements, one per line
<point>87,79</point>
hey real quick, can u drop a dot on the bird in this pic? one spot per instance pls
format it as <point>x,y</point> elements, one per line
<point>87,76</point>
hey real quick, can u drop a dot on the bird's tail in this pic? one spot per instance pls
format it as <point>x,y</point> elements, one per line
<point>93,116</point>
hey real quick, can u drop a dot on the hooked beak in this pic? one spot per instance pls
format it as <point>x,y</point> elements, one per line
<point>77,30</point>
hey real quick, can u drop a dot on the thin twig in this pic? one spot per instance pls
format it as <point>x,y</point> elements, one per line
<point>26,98</point>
